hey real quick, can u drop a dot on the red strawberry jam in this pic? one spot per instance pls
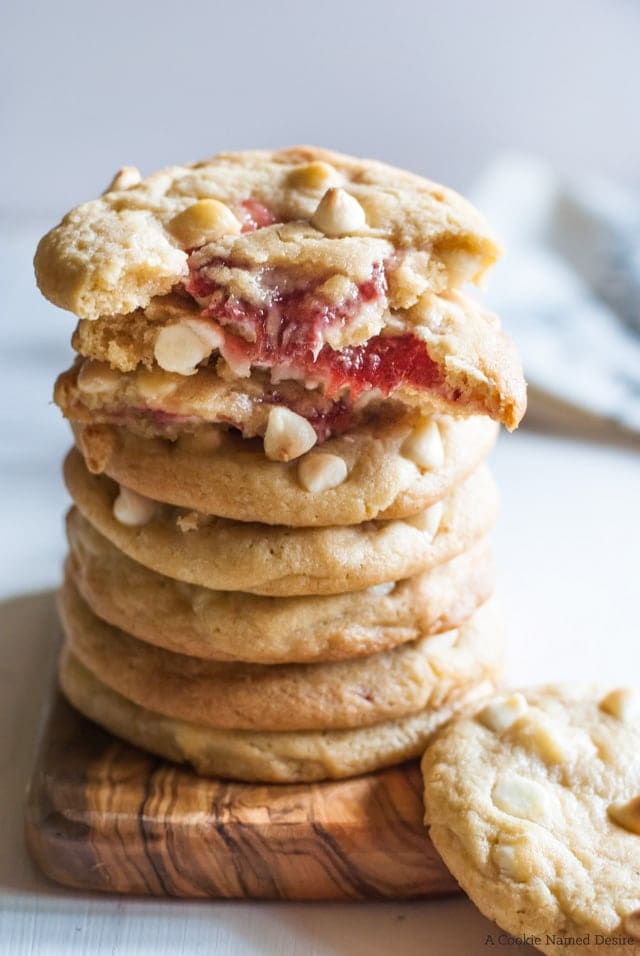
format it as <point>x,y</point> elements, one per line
<point>255,215</point>
<point>384,362</point>
<point>292,328</point>
<point>289,334</point>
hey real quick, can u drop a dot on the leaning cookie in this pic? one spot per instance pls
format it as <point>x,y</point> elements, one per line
<point>534,805</point>
<point>275,560</point>
<point>232,625</point>
<point>376,471</point>
<point>294,757</point>
<point>320,696</point>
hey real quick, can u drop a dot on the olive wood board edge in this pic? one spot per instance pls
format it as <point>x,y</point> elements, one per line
<point>103,815</point>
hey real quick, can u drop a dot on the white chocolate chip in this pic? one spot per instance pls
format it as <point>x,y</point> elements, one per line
<point>153,385</point>
<point>631,924</point>
<point>428,520</point>
<point>209,334</point>
<point>424,446</point>
<point>125,178</point>
<point>338,213</point>
<point>288,435</point>
<point>540,734</point>
<point>520,797</point>
<point>502,713</point>
<point>622,703</point>
<point>97,377</point>
<point>321,472</point>
<point>203,221</point>
<point>626,815</point>
<point>510,863</point>
<point>382,590</point>
<point>179,349</point>
<point>317,175</point>
<point>133,509</point>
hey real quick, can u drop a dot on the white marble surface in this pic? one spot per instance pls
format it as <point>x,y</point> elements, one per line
<point>568,549</point>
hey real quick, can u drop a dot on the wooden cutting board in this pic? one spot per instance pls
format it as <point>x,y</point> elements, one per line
<point>102,815</point>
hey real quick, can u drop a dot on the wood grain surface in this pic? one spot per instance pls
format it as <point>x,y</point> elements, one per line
<point>102,815</point>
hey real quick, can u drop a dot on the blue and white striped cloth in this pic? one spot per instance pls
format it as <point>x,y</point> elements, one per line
<point>568,289</point>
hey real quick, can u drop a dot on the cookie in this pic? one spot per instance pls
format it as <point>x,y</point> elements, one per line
<point>387,470</point>
<point>230,625</point>
<point>115,254</point>
<point>275,560</point>
<point>163,404</point>
<point>454,360</point>
<point>445,352</point>
<point>322,696</point>
<point>295,757</point>
<point>348,286</point>
<point>534,805</point>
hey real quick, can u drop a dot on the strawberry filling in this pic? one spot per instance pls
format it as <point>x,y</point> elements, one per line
<point>289,335</point>
<point>385,363</point>
<point>255,215</point>
<point>326,418</point>
<point>291,329</point>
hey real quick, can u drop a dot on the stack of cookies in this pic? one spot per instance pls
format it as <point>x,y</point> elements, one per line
<point>282,405</point>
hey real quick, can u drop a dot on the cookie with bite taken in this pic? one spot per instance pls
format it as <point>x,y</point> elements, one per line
<point>291,297</point>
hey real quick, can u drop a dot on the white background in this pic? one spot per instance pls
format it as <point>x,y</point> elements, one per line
<point>438,87</point>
